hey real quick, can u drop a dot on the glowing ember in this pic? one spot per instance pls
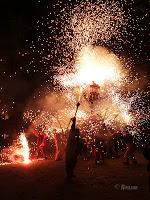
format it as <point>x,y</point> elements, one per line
<point>26,150</point>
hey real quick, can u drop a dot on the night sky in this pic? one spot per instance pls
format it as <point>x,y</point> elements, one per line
<point>17,26</point>
<point>18,30</point>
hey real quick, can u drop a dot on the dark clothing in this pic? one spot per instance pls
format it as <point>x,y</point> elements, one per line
<point>70,165</point>
<point>128,138</point>
<point>72,150</point>
<point>98,151</point>
<point>130,149</point>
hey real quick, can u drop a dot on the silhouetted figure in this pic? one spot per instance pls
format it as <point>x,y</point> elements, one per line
<point>119,143</point>
<point>72,150</point>
<point>83,148</point>
<point>58,145</point>
<point>41,143</point>
<point>130,150</point>
<point>98,151</point>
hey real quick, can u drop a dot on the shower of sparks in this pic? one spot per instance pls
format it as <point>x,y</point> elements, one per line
<point>26,150</point>
<point>80,62</point>
<point>18,152</point>
<point>88,24</point>
<point>94,64</point>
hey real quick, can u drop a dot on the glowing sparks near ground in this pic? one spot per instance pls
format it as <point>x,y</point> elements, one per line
<point>18,152</point>
<point>26,150</point>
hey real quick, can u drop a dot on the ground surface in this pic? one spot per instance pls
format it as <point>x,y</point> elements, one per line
<point>46,180</point>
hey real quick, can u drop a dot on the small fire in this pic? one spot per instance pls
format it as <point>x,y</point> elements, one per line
<point>26,149</point>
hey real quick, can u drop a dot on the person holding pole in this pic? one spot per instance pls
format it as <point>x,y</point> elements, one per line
<point>72,148</point>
